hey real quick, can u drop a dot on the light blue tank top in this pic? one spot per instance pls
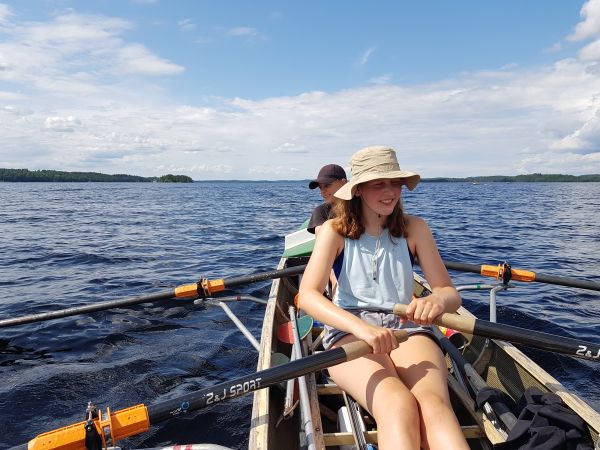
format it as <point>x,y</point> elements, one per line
<point>393,281</point>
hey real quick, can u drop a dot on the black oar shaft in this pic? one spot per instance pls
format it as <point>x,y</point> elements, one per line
<point>259,380</point>
<point>462,267</point>
<point>281,273</point>
<point>165,295</point>
<point>530,338</point>
<point>183,291</point>
<point>537,339</point>
<point>532,276</point>
<point>249,383</point>
<point>570,282</point>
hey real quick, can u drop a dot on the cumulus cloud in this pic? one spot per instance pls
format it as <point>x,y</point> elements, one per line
<point>584,140</point>
<point>67,124</point>
<point>137,59</point>
<point>75,48</point>
<point>590,26</point>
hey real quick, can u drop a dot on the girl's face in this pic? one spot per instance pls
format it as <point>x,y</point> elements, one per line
<point>380,195</point>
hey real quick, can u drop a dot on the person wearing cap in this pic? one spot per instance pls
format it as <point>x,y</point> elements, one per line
<point>330,178</point>
<point>372,244</point>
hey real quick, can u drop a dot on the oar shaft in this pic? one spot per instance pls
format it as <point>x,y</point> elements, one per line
<point>165,295</point>
<point>259,380</point>
<point>184,291</point>
<point>570,282</point>
<point>530,338</point>
<point>524,275</point>
<point>281,273</point>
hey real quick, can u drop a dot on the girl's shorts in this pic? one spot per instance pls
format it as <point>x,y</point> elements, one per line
<point>381,319</point>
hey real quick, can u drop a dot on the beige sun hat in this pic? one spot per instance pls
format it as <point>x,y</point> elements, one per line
<point>371,163</point>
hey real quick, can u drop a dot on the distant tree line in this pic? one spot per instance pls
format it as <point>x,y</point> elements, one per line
<point>60,176</point>
<point>533,177</point>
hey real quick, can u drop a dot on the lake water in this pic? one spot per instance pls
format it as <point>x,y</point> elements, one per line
<point>71,244</point>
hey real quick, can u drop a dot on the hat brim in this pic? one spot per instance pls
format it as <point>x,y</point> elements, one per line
<point>325,180</point>
<point>346,192</point>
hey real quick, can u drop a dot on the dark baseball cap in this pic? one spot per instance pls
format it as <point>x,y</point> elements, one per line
<point>328,174</point>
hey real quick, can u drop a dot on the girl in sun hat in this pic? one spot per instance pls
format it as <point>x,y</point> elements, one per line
<point>371,244</point>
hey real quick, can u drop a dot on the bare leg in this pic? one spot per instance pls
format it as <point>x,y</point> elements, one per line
<point>422,367</point>
<point>373,382</point>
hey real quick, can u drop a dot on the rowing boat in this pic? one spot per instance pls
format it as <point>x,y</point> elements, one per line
<point>330,418</point>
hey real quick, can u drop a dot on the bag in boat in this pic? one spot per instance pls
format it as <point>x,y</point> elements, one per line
<point>546,423</point>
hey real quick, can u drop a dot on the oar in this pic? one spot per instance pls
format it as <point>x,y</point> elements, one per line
<point>530,338</point>
<point>202,288</point>
<point>137,419</point>
<point>504,271</point>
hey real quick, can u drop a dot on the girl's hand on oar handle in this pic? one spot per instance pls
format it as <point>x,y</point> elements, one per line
<point>357,349</point>
<point>381,340</point>
<point>424,310</point>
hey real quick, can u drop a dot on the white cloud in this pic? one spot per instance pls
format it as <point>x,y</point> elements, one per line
<point>186,25</point>
<point>75,49</point>
<point>242,32</point>
<point>5,13</point>
<point>364,58</point>
<point>137,59</point>
<point>65,124</point>
<point>584,140</point>
<point>590,52</point>
<point>381,79</point>
<point>590,27</point>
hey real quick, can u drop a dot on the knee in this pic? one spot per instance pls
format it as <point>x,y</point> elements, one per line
<point>432,404</point>
<point>399,407</point>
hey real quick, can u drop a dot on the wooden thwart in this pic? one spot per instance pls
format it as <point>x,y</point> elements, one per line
<point>333,439</point>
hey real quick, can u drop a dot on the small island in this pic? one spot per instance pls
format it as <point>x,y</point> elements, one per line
<point>175,179</point>
<point>26,175</point>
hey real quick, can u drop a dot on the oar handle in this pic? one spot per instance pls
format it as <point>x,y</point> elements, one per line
<point>131,421</point>
<point>530,338</point>
<point>498,272</point>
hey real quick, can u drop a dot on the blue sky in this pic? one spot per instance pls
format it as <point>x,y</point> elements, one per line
<point>274,90</point>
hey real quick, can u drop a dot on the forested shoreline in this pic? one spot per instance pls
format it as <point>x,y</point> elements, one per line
<point>26,175</point>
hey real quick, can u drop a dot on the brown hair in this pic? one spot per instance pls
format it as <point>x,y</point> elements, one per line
<point>348,219</point>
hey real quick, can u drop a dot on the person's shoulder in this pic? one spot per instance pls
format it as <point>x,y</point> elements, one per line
<point>329,229</point>
<point>415,223</point>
